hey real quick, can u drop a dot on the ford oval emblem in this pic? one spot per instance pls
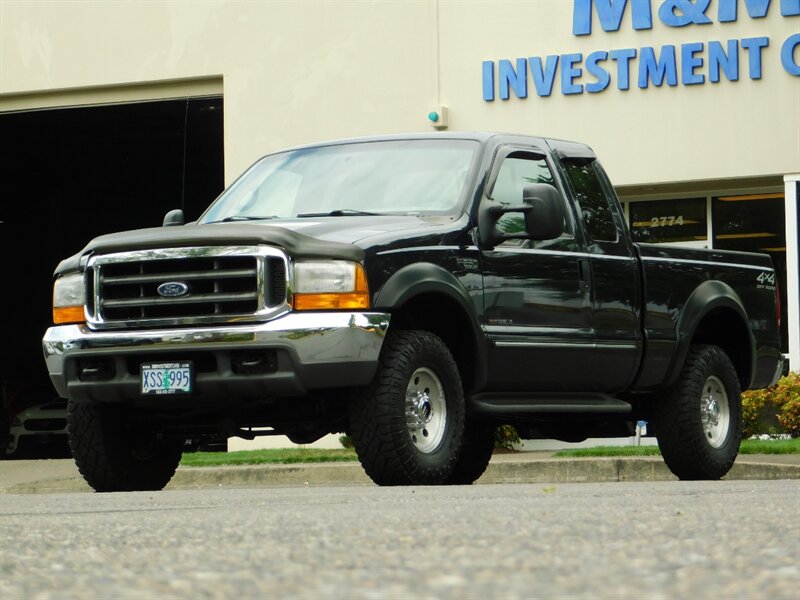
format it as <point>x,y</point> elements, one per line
<point>173,289</point>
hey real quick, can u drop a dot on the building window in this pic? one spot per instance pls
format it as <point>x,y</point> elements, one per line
<point>669,221</point>
<point>754,223</point>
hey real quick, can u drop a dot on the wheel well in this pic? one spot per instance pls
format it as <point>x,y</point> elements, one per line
<point>723,327</point>
<point>446,318</point>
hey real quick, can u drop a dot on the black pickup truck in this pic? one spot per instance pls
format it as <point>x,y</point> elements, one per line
<point>413,291</point>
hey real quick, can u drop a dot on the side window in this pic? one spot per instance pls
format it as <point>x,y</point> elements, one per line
<point>592,199</point>
<point>518,170</point>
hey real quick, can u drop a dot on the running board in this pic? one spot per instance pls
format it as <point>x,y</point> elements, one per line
<point>513,403</point>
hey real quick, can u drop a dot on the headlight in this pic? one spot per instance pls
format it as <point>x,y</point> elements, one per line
<point>329,284</point>
<point>68,299</point>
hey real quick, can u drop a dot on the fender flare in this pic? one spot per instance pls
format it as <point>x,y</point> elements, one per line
<point>425,278</point>
<point>707,297</point>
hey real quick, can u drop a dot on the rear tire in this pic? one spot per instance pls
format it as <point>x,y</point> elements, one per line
<point>699,423</point>
<point>407,425</point>
<point>114,454</point>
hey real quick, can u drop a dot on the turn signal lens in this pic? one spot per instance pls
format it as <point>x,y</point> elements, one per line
<point>68,314</point>
<point>68,299</point>
<point>330,301</point>
<point>330,285</point>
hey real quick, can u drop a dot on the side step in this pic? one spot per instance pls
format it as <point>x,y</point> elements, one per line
<point>514,403</point>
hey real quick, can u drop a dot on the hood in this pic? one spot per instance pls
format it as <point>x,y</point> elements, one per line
<point>351,229</point>
<point>323,237</point>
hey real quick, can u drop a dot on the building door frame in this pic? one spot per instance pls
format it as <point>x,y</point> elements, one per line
<point>792,311</point>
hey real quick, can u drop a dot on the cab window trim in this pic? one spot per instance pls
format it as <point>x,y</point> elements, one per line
<point>503,151</point>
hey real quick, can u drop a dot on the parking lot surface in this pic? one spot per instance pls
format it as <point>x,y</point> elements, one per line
<point>596,540</point>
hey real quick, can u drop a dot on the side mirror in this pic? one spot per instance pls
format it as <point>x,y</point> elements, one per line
<point>542,208</point>
<point>545,219</point>
<point>173,218</point>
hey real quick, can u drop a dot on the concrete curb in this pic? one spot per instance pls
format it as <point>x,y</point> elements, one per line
<point>580,470</point>
<point>585,470</point>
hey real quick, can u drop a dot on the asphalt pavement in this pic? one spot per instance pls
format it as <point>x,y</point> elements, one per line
<point>699,540</point>
<point>53,476</point>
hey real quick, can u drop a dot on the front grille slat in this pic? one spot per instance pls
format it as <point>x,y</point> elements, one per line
<point>146,301</point>
<point>222,284</point>
<point>188,276</point>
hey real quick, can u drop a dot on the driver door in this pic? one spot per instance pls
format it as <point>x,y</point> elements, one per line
<point>537,308</point>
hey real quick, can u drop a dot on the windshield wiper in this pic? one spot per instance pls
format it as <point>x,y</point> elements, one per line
<point>340,212</point>
<point>233,218</point>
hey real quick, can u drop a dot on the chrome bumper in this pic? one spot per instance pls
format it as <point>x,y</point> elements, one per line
<point>318,350</point>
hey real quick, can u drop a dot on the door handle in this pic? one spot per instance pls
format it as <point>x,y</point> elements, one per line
<point>584,274</point>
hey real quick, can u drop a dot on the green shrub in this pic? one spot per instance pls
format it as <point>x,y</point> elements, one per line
<point>505,436</point>
<point>773,410</point>
<point>789,415</point>
<point>754,404</point>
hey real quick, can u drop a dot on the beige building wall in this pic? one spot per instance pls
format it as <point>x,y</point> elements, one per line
<point>291,72</point>
<point>294,72</point>
<point>708,131</point>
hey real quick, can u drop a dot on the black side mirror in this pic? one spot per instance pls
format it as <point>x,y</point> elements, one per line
<point>542,208</point>
<point>174,217</point>
<point>545,219</point>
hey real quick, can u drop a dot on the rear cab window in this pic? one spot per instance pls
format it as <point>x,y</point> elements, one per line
<point>594,203</point>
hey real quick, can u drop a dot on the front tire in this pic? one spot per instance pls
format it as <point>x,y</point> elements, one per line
<point>407,425</point>
<point>476,452</point>
<point>699,424</point>
<point>115,453</point>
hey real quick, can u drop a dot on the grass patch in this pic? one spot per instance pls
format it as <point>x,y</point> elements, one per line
<point>311,455</point>
<point>791,446</point>
<point>609,451</point>
<point>272,456</point>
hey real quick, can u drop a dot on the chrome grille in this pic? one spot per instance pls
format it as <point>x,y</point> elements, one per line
<point>213,285</point>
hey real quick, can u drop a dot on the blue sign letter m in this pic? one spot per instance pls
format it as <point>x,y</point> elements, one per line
<point>610,13</point>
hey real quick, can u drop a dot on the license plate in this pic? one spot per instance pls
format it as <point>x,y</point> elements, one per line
<point>166,378</point>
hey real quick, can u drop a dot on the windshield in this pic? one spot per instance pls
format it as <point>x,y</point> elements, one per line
<point>394,177</point>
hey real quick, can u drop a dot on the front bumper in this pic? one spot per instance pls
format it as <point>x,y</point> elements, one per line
<point>294,354</point>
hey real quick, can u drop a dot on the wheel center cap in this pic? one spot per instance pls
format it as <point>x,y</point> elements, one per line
<point>710,411</point>
<point>424,408</point>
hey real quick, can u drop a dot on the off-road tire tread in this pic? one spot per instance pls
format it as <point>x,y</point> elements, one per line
<point>476,452</point>
<point>377,418</point>
<point>679,430</point>
<point>99,446</point>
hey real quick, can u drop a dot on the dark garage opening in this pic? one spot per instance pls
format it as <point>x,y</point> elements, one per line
<point>68,175</point>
